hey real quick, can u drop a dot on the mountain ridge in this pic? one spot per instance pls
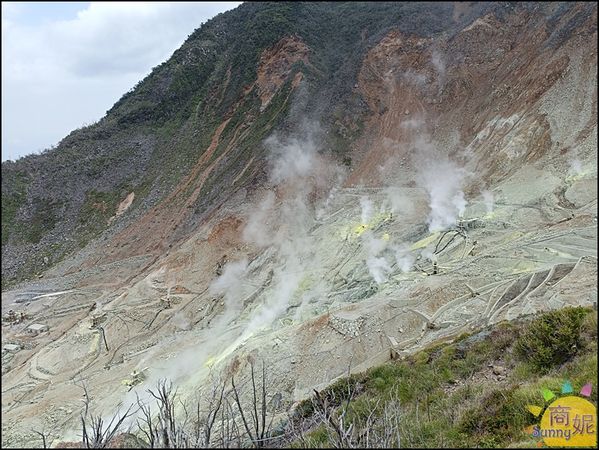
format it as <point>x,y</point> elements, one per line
<point>154,99</point>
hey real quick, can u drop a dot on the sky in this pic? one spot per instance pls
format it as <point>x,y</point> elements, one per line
<point>64,64</point>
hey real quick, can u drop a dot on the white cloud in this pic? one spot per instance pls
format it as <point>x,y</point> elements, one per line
<point>61,73</point>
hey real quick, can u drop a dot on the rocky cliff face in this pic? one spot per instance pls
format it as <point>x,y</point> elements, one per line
<point>308,183</point>
<point>229,85</point>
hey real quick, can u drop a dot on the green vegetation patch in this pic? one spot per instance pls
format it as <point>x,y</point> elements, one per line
<point>12,201</point>
<point>551,339</point>
<point>450,395</point>
<point>499,417</point>
<point>95,212</point>
<point>44,219</point>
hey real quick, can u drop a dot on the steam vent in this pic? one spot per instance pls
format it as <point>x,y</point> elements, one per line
<point>315,224</point>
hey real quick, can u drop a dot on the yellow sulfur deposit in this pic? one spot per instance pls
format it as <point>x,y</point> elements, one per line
<point>210,362</point>
<point>422,243</point>
<point>360,229</point>
<point>376,220</point>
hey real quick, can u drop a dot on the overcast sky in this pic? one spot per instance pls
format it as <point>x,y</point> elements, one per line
<point>65,64</point>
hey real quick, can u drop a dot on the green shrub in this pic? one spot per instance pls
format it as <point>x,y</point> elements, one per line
<point>12,199</point>
<point>305,408</point>
<point>338,392</point>
<point>499,418</point>
<point>318,438</point>
<point>44,219</point>
<point>552,339</point>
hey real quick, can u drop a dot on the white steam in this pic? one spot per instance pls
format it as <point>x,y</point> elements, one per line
<point>180,321</point>
<point>305,182</point>
<point>292,160</point>
<point>489,200</point>
<point>443,181</point>
<point>439,65</point>
<point>367,208</point>
<point>400,203</point>
<point>429,254</point>
<point>404,257</point>
<point>230,284</point>
<point>378,267</point>
<point>257,229</point>
<point>575,167</point>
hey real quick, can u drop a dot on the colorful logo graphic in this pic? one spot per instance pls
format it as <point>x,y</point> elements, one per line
<point>568,421</point>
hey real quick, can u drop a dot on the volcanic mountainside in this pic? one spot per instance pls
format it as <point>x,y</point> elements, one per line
<point>313,185</point>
